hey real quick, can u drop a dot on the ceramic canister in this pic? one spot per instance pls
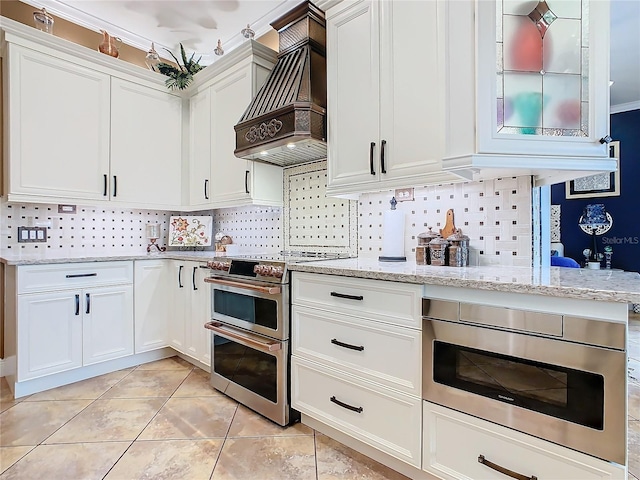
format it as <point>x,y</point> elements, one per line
<point>423,256</point>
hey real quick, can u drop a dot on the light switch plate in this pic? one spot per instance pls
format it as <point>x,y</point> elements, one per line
<point>404,194</point>
<point>32,234</point>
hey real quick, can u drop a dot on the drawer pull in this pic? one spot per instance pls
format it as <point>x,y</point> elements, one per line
<point>504,471</point>
<point>349,407</point>
<point>335,341</point>
<point>79,275</point>
<point>349,297</point>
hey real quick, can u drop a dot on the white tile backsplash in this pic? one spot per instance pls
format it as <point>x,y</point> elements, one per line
<point>495,214</point>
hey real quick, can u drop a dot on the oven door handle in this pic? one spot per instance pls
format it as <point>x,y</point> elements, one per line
<point>271,290</point>
<point>244,338</point>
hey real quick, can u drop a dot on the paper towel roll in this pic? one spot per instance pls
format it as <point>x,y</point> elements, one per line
<point>393,234</point>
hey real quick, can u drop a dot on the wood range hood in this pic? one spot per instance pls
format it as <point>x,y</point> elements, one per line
<point>285,124</point>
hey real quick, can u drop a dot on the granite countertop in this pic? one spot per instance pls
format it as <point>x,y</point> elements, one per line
<point>605,285</point>
<point>76,256</point>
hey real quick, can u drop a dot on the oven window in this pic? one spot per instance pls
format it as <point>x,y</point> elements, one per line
<point>256,310</point>
<point>256,371</point>
<point>561,392</point>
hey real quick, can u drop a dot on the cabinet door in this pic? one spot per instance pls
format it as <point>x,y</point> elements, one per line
<point>49,333</point>
<point>179,297</point>
<point>230,96</point>
<point>543,88</point>
<point>200,149</point>
<point>353,94</point>
<point>107,324</point>
<point>409,110</point>
<point>198,313</point>
<point>146,145</point>
<point>151,304</point>
<point>58,124</point>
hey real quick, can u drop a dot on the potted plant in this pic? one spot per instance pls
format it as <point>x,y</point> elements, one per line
<point>181,76</point>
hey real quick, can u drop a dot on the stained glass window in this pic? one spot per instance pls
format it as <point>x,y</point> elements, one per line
<point>542,67</point>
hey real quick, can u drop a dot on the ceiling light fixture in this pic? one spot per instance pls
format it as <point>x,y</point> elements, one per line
<point>247,32</point>
<point>218,50</point>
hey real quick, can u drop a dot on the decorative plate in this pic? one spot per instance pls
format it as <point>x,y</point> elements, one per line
<point>185,231</point>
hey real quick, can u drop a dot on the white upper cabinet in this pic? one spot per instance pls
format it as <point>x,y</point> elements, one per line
<point>532,97</point>
<point>222,93</point>
<point>146,145</point>
<point>383,110</point>
<point>58,128</point>
<point>200,149</point>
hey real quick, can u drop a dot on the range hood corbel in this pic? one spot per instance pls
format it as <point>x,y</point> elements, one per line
<point>285,124</point>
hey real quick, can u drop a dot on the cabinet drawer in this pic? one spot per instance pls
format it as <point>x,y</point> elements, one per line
<point>391,302</point>
<point>446,456</point>
<point>386,354</point>
<point>386,419</point>
<point>39,278</point>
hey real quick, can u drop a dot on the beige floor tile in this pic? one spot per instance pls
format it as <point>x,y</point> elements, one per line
<point>29,423</point>
<point>634,350</point>
<point>168,459</point>
<point>10,455</point>
<point>87,389</point>
<point>148,383</point>
<point>271,458</point>
<point>634,400</point>
<point>171,363</point>
<point>197,385</point>
<point>248,423</point>
<point>198,417</point>
<point>6,397</point>
<point>73,462</point>
<point>339,462</point>
<point>109,420</point>
<point>634,448</point>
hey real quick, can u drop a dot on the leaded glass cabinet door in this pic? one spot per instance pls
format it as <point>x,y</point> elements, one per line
<point>543,77</point>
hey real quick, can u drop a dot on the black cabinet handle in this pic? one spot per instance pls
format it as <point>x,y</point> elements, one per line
<point>193,278</point>
<point>504,471</point>
<point>88,310</point>
<point>349,297</point>
<point>346,405</point>
<point>180,276</point>
<point>78,275</point>
<point>77,304</point>
<point>371,147</point>
<point>382,166</point>
<point>206,189</point>
<point>104,185</point>
<point>246,181</point>
<point>115,186</point>
<point>335,341</point>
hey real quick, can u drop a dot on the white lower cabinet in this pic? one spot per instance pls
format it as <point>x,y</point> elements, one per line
<point>152,302</point>
<point>356,360</point>
<point>77,322</point>
<point>190,310</point>
<point>455,443</point>
<point>107,323</point>
<point>382,418</point>
<point>49,334</point>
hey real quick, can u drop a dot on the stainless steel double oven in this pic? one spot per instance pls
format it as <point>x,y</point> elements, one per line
<point>250,334</point>
<point>557,377</point>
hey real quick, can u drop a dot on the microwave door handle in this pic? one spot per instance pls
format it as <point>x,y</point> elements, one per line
<point>244,338</point>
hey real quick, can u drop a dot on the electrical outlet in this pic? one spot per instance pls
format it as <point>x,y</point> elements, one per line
<point>32,234</point>
<point>404,194</point>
